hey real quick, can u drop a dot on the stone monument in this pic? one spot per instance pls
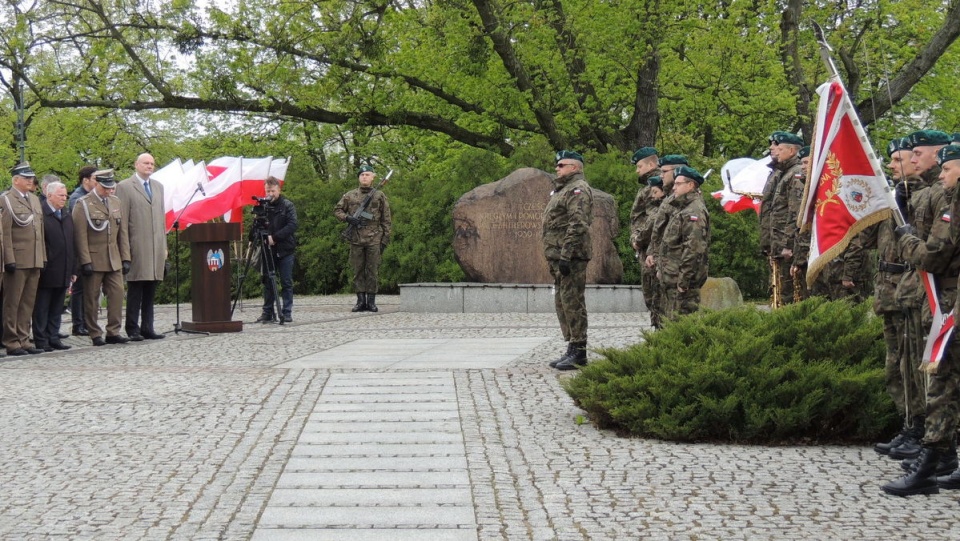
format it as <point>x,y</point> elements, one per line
<point>497,229</point>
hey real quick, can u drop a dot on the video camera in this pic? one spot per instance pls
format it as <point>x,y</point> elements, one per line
<point>262,212</point>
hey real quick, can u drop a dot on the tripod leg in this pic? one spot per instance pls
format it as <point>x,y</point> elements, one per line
<point>243,275</point>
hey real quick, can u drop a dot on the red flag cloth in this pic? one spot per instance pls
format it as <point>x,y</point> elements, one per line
<point>846,191</point>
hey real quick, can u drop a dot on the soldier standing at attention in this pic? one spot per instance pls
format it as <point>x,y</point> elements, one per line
<point>567,248</point>
<point>668,166</point>
<point>649,283</point>
<point>24,254</point>
<point>646,162</point>
<point>939,254</point>
<point>103,253</point>
<point>85,186</point>
<point>777,227</point>
<point>369,238</point>
<point>683,245</point>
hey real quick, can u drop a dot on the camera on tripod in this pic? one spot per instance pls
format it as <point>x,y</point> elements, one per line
<point>262,212</point>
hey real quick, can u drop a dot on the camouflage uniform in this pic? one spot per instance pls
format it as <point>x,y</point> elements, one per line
<point>800,244</point>
<point>566,236</point>
<point>778,228</point>
<point>369,240</point>
<point>642,215</point>
<point>857,267</point>
<point>940,256</point>
<point>682,253</point>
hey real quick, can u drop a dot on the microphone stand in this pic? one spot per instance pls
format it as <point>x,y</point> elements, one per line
<point>177,327</point>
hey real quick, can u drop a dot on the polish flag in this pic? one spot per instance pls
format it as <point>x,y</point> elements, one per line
<point>252,178</point>
<point>847,190</point>
<point>224,191</point>
<point>743,182</point>
<point>183,193</point>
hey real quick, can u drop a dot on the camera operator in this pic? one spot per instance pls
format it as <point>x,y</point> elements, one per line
<point>278,226</point>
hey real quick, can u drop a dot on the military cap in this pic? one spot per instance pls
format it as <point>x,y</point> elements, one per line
<point>365,169</point>
<point>804,152</point>
<point>105,178</point>
<point>568,155</point>
<point>690,173</point>
<point>948,153</point>
<point>785,137</point>
<point>641,153</point>
<point>929,138</point>
<point>898,144</point>
<point>23,170</point>
<point>655,182</point>
<point>673,159</point>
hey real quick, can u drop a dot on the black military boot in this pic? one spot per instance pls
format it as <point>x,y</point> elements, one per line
<point>554,363</point>
<point>576,359</point>
<point>884,448</point>
<point>361,303</point>
<point>910,448</point>
<point>923,480</point>
<point>949,480</point>
<point>372,302</point>
<point>945,466</point>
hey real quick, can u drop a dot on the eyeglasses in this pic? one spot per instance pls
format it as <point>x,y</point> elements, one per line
<point>682,181</point>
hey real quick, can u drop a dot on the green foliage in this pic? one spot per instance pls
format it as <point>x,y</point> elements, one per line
<point>811,371</point>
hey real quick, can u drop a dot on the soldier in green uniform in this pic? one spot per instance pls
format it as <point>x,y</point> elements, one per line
<point>568,248</point>
<point>668,165</point>
<point>683,245</point>
<point>938,253</point>
<point>778,228</point>
<point>369,239</point>
<point>646,161</point>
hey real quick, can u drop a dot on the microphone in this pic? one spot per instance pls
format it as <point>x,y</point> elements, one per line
<point>200,187</point>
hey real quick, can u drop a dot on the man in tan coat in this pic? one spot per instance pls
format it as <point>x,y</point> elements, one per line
<point>24,254</point>
<point>141,203</point>
<point>103,253</point>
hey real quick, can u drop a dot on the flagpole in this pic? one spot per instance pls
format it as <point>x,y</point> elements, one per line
<point>825,51</point>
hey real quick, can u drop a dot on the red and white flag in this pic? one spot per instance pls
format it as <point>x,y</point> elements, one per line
<point>743,182</point>
<point>847,190</point>
<point>941,326</point>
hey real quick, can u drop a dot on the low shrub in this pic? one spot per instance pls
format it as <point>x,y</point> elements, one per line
<point>808,372</point>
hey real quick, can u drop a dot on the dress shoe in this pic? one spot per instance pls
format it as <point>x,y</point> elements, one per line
<point>81,332</point>
<point>98,341</point>
<point>266,318</point>
<point>63,335</point>
<point>34,351</point>
<point>117,339</point>
<point>135,337</point>
<point>150,335</point>
<point>47,349</point>
<point>287,319</point>
<point>17,352</point>
<point>59,345</point>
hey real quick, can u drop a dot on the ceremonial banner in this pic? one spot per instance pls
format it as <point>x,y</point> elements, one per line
<point>847,190</point>
<point>941,326</point>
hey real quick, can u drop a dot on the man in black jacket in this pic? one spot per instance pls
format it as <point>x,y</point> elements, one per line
<point>59,272</point>
<point>282,239</point>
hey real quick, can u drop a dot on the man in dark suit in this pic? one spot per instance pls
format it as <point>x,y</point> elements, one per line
<point>103,253</point>
<point>23,256</point>
<point>60,271</point>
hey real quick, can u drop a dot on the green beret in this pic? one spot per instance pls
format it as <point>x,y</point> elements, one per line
<point>690,173</point>
<point>929,138</point>
<point>898,144</point>
<point>956,138</point>
<point>785,137</point>
<point>673,159</point>
<point>947,153</point>
<point>804,152</point>
<point>568,155</point>
<point>655,182</point>
<point>642,153</point>
<point>22,170</point>
<point>365,169</point>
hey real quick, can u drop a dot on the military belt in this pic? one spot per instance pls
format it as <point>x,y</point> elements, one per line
<point>893,268</point>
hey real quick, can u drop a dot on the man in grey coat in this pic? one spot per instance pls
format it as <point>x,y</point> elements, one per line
<point>141,203</point>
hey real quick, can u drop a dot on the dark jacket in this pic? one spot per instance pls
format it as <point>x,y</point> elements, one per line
<point>283,226</point>
<point>61,251</point>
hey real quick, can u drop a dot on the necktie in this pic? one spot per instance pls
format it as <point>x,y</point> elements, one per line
<point>59,215</point>
<point>146,187</point>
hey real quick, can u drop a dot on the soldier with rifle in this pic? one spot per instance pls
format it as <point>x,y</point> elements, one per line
<point>367,213</point>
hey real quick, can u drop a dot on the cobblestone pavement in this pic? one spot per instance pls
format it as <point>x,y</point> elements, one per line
<point>189,438</point>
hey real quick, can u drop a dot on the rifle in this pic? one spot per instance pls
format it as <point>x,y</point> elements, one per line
<point>361,212</point>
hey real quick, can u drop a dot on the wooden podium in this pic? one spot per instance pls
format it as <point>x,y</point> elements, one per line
<point>211,277</point>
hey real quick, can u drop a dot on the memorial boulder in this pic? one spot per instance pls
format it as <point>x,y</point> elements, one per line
<point>497,229</point>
